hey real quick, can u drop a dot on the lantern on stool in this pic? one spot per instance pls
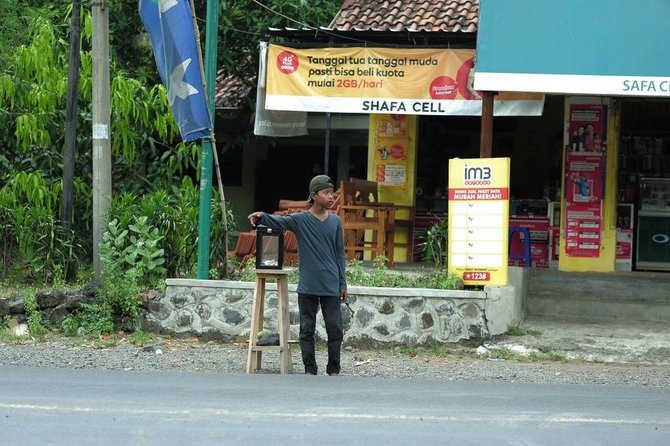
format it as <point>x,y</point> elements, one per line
<point>269,248</point>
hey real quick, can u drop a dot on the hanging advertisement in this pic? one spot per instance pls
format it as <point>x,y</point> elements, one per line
<point>391,163</point>
<point>583,229</point>
<point>414,81</point>
<point>587,128</point>
<point>390,146</point>
<point>585,179</point>
<point>478,220</point>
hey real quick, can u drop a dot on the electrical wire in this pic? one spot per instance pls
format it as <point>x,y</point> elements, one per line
<point>304,25</point>
<point>364,42</point>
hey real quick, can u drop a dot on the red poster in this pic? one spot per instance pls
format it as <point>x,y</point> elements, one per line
<point>587,129</point>
<point>583,227</point>
<point>585,179</point>
<point>624,245</point>
<point>584,182</point>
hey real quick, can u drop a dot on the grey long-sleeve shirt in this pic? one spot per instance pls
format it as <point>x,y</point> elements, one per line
<point>321,251</point>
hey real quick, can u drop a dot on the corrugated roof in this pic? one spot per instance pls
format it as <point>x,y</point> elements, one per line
<point>420,15</point>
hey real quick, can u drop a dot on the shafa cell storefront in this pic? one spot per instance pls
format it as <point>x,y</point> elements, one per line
<point>615,180</point>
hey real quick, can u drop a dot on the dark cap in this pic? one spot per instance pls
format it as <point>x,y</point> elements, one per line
<point>319,183</point>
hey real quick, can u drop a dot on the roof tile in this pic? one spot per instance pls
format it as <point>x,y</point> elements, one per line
<point>426,15</point>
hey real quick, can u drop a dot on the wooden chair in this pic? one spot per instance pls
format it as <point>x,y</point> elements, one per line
<point>245,247</point>
<point>360,214</point>
<point>369,193</point>
<point>290,249</point>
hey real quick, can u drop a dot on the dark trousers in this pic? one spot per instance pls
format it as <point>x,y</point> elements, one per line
<point>332,316</point>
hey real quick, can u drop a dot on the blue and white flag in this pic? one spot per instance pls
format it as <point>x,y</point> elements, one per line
<point>170,27</point>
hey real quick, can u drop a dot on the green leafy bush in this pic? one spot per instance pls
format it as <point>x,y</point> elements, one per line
<point>34,317</point>
<point>31,233</point>
<point>435,246</point>
<point>92,319</point>
<point>169,223</point>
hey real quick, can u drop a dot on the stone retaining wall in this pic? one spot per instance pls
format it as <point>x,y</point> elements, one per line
<point>382,316</point>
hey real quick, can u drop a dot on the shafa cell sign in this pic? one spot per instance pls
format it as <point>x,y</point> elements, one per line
<point>382,80</point>
<point>479,220</point>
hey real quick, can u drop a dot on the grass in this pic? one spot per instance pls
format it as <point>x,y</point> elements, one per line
<point>439,350</point>
<point>518,331</point>
<point>544,353</point>
<point>502,353</point>
<point>107,342</point>
<point>142,338</point>
<point>7,337</point>
<point>557,357</point>
<point>410,351</point>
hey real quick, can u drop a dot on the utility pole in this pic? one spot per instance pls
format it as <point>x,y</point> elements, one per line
<point>71,120</point>
<point>102,156</point>
<point>486,135</point>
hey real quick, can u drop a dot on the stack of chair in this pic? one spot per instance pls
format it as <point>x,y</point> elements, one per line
<point>368,225</point>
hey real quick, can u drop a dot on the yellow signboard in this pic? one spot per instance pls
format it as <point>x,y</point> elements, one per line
<point>392,164</point>
<point>416,81</point>
<point>479,220</point>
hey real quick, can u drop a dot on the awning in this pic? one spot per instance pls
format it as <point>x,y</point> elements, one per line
<point>594,47</point>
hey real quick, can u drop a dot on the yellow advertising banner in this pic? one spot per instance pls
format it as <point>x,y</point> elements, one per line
<point>392,152</point>
<point>392,164</point>
<point>416,81</point>
<point>479,220</point>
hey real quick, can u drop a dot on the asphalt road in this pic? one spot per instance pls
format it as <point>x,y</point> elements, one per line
<point>65,406</point>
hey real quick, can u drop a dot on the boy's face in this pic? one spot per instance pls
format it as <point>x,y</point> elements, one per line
<point>324,197</point>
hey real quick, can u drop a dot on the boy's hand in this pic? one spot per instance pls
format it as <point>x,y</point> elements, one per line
<point>254,217</point>
<point>343,295</point>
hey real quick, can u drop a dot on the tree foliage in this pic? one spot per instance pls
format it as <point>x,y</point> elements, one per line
<point>145,139</point>
<point>148,156</point>
<point>147,152</point>
<point>16,17</point>
<point>243,24</point>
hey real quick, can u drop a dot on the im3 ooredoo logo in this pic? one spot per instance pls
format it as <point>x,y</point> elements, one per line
<point>287,62</point>
<point>477,176</point>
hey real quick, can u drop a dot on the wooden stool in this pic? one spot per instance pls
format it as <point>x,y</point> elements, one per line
<point>255,351</point>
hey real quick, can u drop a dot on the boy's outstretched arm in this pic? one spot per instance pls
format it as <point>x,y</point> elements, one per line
<point>254,217</point>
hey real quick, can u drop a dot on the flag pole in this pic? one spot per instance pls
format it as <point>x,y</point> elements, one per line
<point>204,214</point>
<point>217,168</point>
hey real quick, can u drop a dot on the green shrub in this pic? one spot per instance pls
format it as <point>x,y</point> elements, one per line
<point>171,221</point>
<point>435,246</point>
<point>92,319</point>
<point>33,237</point>
<point>34,317</point>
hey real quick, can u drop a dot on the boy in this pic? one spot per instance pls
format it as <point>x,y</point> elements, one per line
<point>322,267</point>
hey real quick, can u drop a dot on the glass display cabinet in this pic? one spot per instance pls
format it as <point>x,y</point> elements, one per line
<point>653,225</point>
